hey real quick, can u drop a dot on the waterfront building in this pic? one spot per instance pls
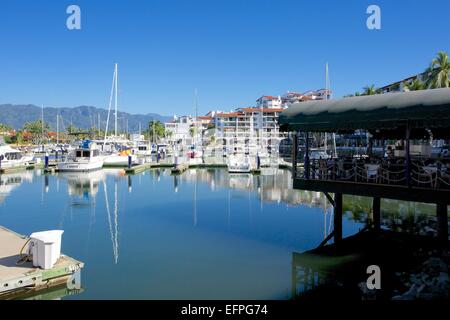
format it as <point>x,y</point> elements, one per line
<point>296,97</point>
<point>399,86</point>
<point>180,130</point>
<point>268,102</point>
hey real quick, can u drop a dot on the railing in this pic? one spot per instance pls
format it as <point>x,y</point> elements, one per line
<point>428,173</point>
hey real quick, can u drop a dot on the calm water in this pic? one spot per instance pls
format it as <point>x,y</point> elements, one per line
<point>202,235</point>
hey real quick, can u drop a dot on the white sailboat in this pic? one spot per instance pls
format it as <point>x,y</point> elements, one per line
<point>117,157</point>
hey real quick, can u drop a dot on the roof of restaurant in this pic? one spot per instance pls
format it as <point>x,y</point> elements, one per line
<point>425,109</point>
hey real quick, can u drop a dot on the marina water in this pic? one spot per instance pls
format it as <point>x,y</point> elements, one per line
<point>205,234</point>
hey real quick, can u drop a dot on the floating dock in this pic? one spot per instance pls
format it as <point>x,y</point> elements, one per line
<point>18,168</point>
<point>142,167</point>
<point>20,280</point>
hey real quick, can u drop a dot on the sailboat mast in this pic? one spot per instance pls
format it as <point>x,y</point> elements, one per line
<point>110,104</point>
<point>117,78</point>
<point>57,128</point>
<point>327,90</point>
<point>326,98</point>
<point>42,123</point>
<point>196,116</point>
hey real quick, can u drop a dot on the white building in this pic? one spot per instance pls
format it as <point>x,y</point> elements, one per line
<point>268,102</point>
<point>179,129</point>
<point>296,97</point>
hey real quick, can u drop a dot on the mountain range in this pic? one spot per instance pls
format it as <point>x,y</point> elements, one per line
<point>83,117</point>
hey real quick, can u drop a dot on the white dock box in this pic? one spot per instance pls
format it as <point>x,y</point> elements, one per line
<point>46,248</point>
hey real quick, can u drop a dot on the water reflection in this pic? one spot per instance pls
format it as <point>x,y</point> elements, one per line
<point>11,181</point>
<point>245,227</point>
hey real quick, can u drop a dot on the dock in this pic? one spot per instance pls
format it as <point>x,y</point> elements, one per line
<point>180,168</point>
<point>20,280</point>
<point>18,168</point>
<point>142,167</point>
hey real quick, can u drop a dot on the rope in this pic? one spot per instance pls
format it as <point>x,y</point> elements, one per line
<point>24,258</point>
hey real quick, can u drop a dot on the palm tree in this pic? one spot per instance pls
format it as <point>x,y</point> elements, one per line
<point>415,85</point>
<point>369,90</point>
<point>437,74</point>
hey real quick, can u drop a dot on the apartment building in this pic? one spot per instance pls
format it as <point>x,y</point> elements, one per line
<point>252,125</point>
<point>400,85</point>
<point>180,130</point>
<point>296,97</point>
<point>269,102</point>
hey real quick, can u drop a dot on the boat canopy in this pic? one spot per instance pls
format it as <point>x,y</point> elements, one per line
<point>384,115</point>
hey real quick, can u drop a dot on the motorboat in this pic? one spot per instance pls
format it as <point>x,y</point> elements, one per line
<point>239,164</point>
<point>86,157</point>
<point>12,158</point>
<point>143,148</point>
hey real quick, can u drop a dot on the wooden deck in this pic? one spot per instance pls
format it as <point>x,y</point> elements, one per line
<point>397,192</point>
<point>20,279</point>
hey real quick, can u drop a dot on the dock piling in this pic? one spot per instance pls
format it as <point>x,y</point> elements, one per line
<point>442,220</point>
<point>376,211</point>
<point>337,217</point>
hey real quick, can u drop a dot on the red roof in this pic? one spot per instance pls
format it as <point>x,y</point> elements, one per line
<point>268,98</point>
<point>229,114</point>
<point>266,110</point>
<point>204,118</point>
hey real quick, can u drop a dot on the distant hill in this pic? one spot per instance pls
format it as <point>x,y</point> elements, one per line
<point>83,117</point>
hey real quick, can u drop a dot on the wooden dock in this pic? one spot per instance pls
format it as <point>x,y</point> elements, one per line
<point>18,168</point>
<point>142,167</point>
<point>180,168</point>
<point>17,280</point>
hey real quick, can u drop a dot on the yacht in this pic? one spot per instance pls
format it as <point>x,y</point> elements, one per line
<point>12,158</point>
<point>239,164</point>
<point>84,158</point>
<point>143,148</point>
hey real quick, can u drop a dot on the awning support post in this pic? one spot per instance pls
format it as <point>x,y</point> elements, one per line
<point>306,165</point>
<point>294,154</point>
<point>408,156</point>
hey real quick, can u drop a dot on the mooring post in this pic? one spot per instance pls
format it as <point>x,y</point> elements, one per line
<point>129,161</point>
<point>337,217</point>
<point>293,279</point>
<point>376,211</point>
<point>442,220</point>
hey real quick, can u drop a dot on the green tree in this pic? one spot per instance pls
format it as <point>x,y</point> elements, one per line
<point>437,74</point>
<point>369,90</point>
<point>192,131</point>
<point>4,128</point>
<point>37,130</point>
<point>155,130</point>
<point>415,85</point>
<point>71,129</point>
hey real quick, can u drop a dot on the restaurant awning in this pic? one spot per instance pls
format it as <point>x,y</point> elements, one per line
<point>383,113</point>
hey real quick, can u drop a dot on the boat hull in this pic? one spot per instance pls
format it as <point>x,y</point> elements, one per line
<point>79,166</point>
<point>118,161</point>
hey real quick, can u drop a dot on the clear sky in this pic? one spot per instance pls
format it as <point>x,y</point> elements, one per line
<point>233,51</point>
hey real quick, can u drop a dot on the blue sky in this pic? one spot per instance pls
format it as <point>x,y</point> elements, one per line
<point>232,51</point>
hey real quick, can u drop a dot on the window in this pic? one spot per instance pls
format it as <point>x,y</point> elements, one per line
<point>78,154</point>
<point>86,154</point>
